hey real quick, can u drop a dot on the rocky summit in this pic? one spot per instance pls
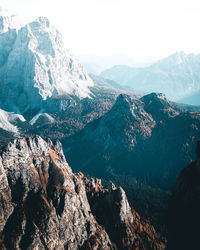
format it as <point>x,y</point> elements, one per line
<point>35,67</point>
<point>44,205</point>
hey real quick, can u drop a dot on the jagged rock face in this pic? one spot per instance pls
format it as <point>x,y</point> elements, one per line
<point>124,225</point>
<point>142,135</point>
<point>45,206</point>
<point>184,206</point>
<point>37,67</point>
<point>6,207</point>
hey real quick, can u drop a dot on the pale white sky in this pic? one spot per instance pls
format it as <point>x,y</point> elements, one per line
<point>146,28</point>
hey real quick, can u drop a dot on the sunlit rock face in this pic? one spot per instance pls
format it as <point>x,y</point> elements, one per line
<point>35,66</point>
<point>44,205</point>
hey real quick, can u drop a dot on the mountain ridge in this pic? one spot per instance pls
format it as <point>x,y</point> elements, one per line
<point>176,76</point>
<point>133,128</point>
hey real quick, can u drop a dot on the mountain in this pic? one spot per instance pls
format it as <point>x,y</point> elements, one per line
<point>142,135</point>
<point>191,98</point>
<point>36,71</point>
<point>60,124</point>
<point>95,63</point>
<point>92,67</point>
<point>11,126</point>
<point>122,74</point>
<point>44,205</point>
<point>9,121</point>
<point>102,82</point>
<point>9,22</point>
<point>177,76</point>
<point>188,107</point>
<point>184,205</point>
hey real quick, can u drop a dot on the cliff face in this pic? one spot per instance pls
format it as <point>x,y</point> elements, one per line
<point>123,224</point>
<point>35,67</point>
<point>44,205</point>
<point>184,207</point>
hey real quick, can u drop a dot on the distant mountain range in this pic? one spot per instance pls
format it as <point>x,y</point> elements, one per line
<point>97,64</point>
<point>193,98</point>
<point>177,76</point>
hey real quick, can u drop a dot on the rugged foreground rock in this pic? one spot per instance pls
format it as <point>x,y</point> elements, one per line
<point>184,207</point>
<point>44,205</point>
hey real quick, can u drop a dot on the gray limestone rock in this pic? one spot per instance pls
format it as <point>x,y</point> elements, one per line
<point>44,205</point>
<point>35,67</point>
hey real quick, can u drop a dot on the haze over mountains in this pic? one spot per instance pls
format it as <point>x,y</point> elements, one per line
<point>97,64</point>
<point>177,76</point>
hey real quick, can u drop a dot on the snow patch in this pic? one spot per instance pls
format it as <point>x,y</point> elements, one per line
<point>6,120</point>
<point>47,117</point>
<point>9,22</point>
<point>37,63</point>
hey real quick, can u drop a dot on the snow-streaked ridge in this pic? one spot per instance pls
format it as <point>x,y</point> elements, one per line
<point>49,118</point>
<point>6,120</point>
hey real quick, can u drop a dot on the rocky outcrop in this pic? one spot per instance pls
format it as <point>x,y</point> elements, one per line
<point>123,224</point>
<point>45,206</point>
<point>184,207</point>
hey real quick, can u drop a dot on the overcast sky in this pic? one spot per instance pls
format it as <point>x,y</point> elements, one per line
<point>140,28</point>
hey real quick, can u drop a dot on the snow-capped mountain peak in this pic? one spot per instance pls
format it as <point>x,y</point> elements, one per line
<point>37,67</point>
<point>9,22</point>
<point>8,120</point>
